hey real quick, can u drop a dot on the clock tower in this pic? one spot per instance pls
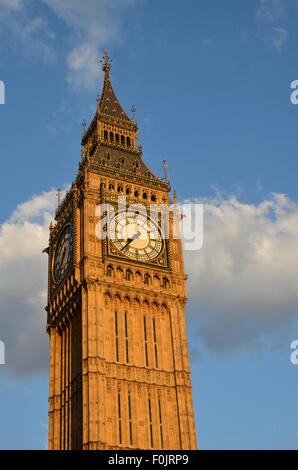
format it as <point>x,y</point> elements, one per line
<point>119,365</point>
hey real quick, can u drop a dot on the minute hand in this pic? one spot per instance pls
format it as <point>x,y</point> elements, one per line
<point>136,235</point>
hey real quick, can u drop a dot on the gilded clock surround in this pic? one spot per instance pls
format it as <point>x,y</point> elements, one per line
<point>119,366</point>
<point>162,260</point>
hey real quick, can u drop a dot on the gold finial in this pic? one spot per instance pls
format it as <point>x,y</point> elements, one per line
<point>133,110</point>
<point>51,226</point>
<point>106,61</point>
<point>59,194</point>
<point>165,166</point>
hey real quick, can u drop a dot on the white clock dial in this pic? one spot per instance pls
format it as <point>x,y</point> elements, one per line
<point>135,236</point>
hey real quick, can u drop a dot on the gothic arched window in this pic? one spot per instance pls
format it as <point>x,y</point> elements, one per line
<point>110,271</point>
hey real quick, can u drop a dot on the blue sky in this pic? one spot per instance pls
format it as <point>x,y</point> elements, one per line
<point>210,81</point>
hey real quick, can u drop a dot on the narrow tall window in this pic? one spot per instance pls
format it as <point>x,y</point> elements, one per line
<point>116,337</point>
<point>160,423</point>
<point>146,345</point>
<point>126,337</point>
<point>109,271</point>
<point>150,422</point>
<point>119,419</point>
<point>129,418</point>
<point>155,343</point>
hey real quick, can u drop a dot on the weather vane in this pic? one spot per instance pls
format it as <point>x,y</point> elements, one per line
<point>106,61</point>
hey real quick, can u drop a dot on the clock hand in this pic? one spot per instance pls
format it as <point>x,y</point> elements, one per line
<point>63,255</point>
<point>136,235</point>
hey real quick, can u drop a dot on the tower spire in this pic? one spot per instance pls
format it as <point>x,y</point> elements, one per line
<point>108,103</point>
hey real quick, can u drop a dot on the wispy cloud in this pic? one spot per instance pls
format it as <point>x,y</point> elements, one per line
<point>11,4</point>
<point>92,28</point>
<point>270,15</point>
<point>24,32</point>
<point>89,28</point>
<point>206,41</point>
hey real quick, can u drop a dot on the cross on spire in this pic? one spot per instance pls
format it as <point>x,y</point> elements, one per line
<point>165,166</point>
<point>106,61</point>
<point>59,194</point>
<point>133,110</point>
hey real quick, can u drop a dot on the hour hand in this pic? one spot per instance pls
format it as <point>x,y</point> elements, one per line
<point>136,235</point>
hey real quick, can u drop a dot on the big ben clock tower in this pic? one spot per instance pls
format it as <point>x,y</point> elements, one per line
<point>119,365</point>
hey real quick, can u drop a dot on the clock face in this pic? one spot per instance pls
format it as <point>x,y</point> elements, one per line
<point>63,253</point>
<point>135,236</point>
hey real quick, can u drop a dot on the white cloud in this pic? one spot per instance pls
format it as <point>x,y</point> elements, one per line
<point>83,66</point>
<point>269,15</point>
<point>243,282</point>
<point>90,27</point>
<point>94,26</point>
<point>23,284</point>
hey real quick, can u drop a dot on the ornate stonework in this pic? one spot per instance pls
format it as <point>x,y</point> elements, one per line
<point>119,365</point>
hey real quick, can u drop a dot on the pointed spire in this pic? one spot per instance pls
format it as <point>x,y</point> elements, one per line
<point>108,103</point>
